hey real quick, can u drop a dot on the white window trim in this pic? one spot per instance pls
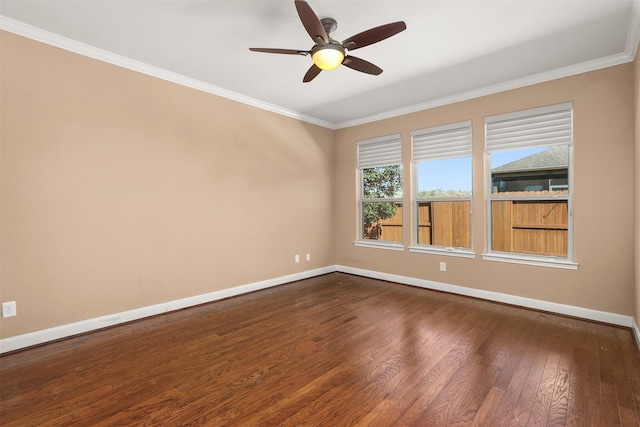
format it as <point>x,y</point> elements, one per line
<point>567,262</point>
<point>379,244</point>
<point>443,250</point>
<point>389,159</point>
<point>536,260</point>
<point>436,249</point>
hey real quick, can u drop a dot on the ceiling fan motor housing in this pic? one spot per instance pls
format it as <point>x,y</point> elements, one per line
<point>329,25</point>
<point>327,53</point>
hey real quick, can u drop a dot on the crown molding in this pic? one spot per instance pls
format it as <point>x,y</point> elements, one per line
<point>55,40</point>
<point>633,35</point>
<point>37,34</point>
<point>629,54</point>
<point>558,73</point>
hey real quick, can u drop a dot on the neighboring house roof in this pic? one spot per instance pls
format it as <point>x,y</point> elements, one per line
<point>553,158</point>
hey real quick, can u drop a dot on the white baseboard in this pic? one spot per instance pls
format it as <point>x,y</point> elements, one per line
<point>636,334</point>
<point>68,330</point>
<point>569,310</point>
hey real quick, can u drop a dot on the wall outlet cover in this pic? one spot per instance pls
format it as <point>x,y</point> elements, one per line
<point>9,309</point>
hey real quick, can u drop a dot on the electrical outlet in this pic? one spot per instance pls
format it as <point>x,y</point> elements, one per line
<point>443,266</point>
<point>297,258</point>
<point>9,309</point>
<point>308,257</point>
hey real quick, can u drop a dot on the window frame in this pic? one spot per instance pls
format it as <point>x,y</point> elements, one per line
<point>445,147</point>
<point>389,153</point>
<point>567,262</point>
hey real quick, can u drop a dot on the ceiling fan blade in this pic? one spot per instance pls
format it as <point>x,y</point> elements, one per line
<point>311,22</point>
<point>311,73</point>
<point>374,35</point>
<point>361,65</point>
<point>283,51</point>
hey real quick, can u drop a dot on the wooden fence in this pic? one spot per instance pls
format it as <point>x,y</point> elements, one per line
<point>443,223</point>
<point>530,227</point>
<point>389,229</point>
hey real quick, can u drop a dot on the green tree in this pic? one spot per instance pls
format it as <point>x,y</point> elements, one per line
<point>441,193</point>
<point>379,182</point>
<point>430,193</point>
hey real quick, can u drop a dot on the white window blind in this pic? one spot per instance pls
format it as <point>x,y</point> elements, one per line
<point>381,151</point>
<point>442,142</point>
<point>545,126</point>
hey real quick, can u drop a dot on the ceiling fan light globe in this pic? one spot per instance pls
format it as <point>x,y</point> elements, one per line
<point>328,57</point>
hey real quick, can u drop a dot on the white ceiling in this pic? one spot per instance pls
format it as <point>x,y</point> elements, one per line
<point>452,49</point>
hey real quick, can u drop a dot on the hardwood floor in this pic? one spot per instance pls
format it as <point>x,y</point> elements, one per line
<point>335,350</point>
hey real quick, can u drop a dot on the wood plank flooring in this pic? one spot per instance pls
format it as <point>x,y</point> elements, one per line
<point>334,350</point>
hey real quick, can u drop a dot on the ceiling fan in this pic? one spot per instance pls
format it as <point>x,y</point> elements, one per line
<point>328,53</point>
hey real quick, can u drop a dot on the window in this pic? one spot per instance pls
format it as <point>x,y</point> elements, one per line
<point>380,175</point>
<point>441,159</point>
<point>530,206</point>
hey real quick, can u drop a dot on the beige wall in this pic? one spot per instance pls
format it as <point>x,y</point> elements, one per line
<point>603,143</point>
<point>121,191</point>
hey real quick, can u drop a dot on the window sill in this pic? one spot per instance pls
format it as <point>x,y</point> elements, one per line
<point>393,246</point>
<point>443,250</point>
<point>542,261</point>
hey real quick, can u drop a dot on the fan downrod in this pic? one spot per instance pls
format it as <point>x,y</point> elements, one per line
<point>329,25</point>
<point>332,53</point>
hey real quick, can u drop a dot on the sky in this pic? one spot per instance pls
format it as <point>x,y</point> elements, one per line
<point>455,174</point>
